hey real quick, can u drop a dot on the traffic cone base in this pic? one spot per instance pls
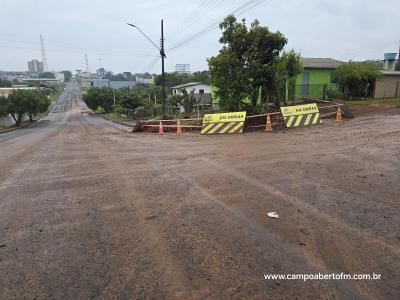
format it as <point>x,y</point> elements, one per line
<point>178,127</point>
<point>160,129</point>
<point>339,117</point>
<point>268,125</point>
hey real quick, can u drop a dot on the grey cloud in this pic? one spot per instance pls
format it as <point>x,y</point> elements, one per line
<point>322,28</point>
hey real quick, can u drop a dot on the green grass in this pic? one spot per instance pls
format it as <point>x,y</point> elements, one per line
<point>2,128</point>
<point>40,115</point>
<point>23,124</point>
<point>100,110</point>
<point>368,102</point>
<point>117,116</point>
<point>56,94</point>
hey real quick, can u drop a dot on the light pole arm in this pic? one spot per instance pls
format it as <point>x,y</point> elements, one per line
<point>149,39</point>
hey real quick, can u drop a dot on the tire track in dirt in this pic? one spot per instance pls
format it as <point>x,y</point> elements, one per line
<point>345,230</point>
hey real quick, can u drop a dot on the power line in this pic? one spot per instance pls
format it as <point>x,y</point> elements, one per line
<point>187,18</point>
<point>151,65</point>
<point>196,16</point>
<point>240,10</point>
<point>201,14</point>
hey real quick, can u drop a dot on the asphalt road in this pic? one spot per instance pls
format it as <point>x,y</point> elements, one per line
<point>89,210</point>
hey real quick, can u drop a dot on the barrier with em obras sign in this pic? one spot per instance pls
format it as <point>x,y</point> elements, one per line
<point>225,123</point>
<point>301,115</point>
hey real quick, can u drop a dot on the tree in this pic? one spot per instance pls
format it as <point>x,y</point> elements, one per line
<point>172,79</point>
<point>38,104</point>
<point>174,101</point>
<point>5,83</point>
<point>126,76</point>
<point>289,65</point>
<point>3,106</point>
<point>188,100</point>
<point>201,76</point>
<point>127,99</point>
<point>249,59</point>
<point>145,75</point>
<point>67,75</point>
<point>22,102</point>
<point>357,78</point>
<point>99,97</point>
<point>47,75</point>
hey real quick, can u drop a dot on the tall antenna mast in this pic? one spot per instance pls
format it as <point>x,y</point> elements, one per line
<point>87,63</point>
<point>44,59</point>
<point>101,62</point>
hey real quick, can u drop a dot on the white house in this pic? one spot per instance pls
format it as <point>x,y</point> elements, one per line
<point>60,77</point>
<point>201,91</point>
<point>196,87</point>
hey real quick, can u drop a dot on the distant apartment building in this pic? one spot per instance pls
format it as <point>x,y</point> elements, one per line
<point>101,72</point>
<point>182,69</point>
<point>35,66</point>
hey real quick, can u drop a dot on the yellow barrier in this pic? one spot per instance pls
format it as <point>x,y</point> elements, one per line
<point>225,123</point>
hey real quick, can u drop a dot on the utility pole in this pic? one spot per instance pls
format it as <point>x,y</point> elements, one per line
<point>162,53</point>
<point>163,56</point>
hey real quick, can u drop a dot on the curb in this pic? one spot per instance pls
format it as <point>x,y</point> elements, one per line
<point>118,122</point>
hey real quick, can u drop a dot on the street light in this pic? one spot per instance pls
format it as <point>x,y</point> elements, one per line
<point>163,56</point>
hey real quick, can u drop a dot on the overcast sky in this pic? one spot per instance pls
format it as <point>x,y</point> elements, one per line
<point>341,29</point>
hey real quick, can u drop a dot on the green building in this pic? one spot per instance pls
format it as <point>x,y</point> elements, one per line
<point>316,79</point>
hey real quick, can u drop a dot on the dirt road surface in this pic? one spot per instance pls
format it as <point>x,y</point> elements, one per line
<point>89,210</point>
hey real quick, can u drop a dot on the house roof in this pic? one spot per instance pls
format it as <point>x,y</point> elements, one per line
<point>182,86</point>
<point>321,63</point>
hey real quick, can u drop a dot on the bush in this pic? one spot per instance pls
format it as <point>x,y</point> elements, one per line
<point>357,78</point>
<point>127,99</point>
<point>119,110</point>
<point>100,110</point>
<point>99,97</point>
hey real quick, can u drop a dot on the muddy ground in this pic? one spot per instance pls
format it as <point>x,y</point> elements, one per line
<point>89,210</point>
<point>377,109</point>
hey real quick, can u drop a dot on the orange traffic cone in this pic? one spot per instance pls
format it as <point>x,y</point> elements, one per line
<point>339,118</point>
<point>160,128</point>
<point>178,127</point>
<point>268,126</point>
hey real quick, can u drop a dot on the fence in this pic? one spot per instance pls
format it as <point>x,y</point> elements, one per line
<point>313,91</point>
<point>327,109</point>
